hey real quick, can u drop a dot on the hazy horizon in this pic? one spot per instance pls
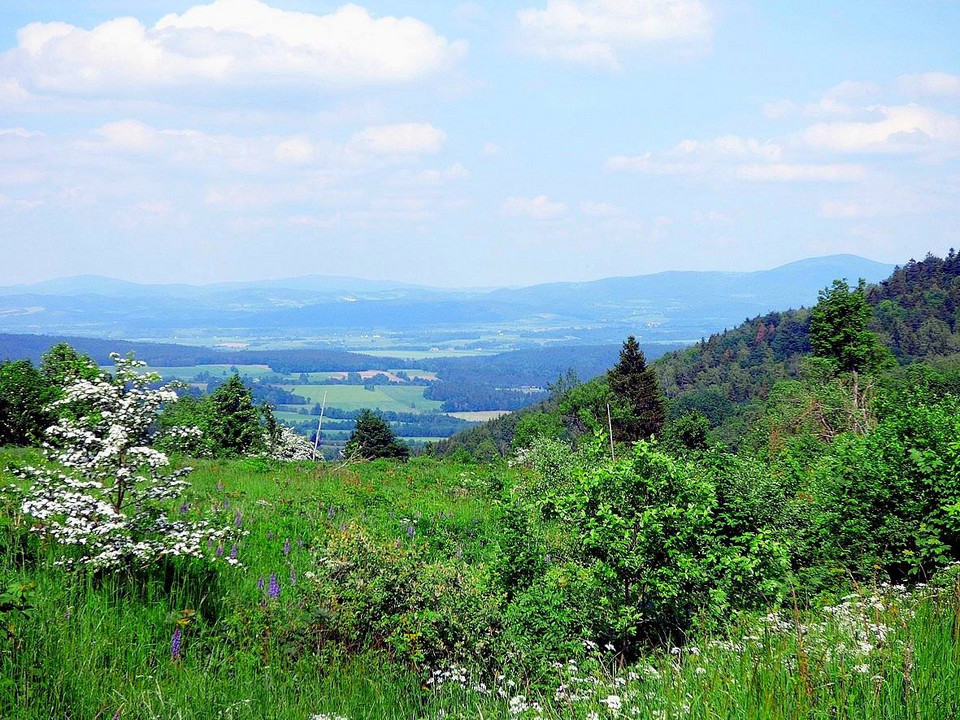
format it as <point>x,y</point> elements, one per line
<point>387,280</point>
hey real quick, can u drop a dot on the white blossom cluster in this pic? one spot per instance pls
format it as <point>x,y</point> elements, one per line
<point>109,499</point>
<point>186,439</point>
<point>288,445</point>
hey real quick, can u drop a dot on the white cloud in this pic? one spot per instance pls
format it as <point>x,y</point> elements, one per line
<point>837,101</point>
<point>226,42</point>
<point>786,172</point>
<point>432,176</point>
<point>539,208</point>
<point>904,128</point>
<point>930,83</point>
<point>130,135</point>
<point>600,32</point>
<point>20,132</point>
<point>600,209</point>
<point>402,139</point>
<point>695,157</point>
<point>295,150</point>
<point>732,157</point>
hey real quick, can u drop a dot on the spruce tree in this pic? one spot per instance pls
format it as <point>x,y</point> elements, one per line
<point>372,438</point>
<point>637,390</point>
<point>234,422</point>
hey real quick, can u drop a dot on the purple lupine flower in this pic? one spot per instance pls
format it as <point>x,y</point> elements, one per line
<point>410,531</point>
<point>274,590</point>
<point>184,508</point>
<point>286,547</point>
<point>234,551</point>
<point>209,543</point>
<point>238,519</point>
<point>219,550</point>
<point>260,583</point>
<point>175,644</point>
<point>293,576</point>
<point>330,513</point>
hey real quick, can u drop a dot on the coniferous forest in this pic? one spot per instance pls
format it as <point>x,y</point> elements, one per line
<point>763,525</point>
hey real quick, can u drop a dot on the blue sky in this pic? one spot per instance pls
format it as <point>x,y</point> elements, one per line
<point>472,144</point>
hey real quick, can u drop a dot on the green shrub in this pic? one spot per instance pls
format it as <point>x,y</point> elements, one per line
<point>888,501</point>
<point>390,595</point>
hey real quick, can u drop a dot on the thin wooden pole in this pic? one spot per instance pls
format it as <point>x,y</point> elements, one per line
<point>316,441</point>
<point>610,428</point>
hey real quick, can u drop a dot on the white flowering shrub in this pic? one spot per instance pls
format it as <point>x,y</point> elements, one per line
<point>108,492</point>
<point>288,445</point>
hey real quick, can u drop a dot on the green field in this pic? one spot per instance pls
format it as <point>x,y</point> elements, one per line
<point>188,372</point>
<point>358,397</point>
<point>479,415</point>
<point>414,374</point>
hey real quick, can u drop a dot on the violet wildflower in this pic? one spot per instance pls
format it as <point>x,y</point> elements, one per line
<point>238,519</point>
<point>184,508</point>
<point>293,576</point>
<point>410,531</point>
<point>286,547</point>
<point>330,513</point>
<point>175,644</point>
<point>219,550</point>
<point>234,551</point>
<point>274,591</point>
<point>260,583</point>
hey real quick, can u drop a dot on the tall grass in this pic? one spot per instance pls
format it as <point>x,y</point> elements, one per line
<point>81,646</point>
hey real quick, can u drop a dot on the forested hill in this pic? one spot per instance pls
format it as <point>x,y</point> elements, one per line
<point>916,314</point>
<point>32,347</point>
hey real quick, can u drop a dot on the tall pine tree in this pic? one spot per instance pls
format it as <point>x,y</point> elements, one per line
<point>637,390</point>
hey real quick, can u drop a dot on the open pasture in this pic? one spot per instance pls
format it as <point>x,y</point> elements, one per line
<point>398,398</point>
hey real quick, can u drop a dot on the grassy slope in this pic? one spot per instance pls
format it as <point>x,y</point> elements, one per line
<point>101,648</point>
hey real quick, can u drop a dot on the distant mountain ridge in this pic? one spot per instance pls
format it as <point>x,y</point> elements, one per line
<point>662,307</point>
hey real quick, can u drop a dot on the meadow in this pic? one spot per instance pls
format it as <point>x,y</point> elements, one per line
<point>191,640</point>
<point>395,398</point>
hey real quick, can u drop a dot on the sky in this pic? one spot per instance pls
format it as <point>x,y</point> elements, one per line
<point>472,144</point>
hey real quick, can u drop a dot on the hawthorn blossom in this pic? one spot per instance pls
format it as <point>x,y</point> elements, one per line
<point>109,492</point>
